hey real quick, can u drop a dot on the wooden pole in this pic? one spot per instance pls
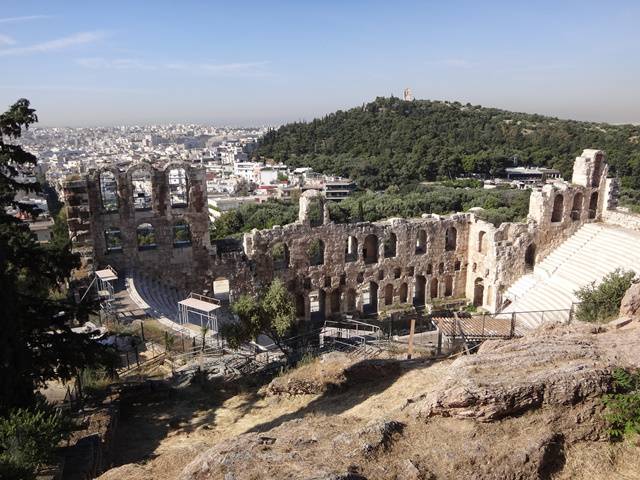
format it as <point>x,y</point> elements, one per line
<point>412,330</point>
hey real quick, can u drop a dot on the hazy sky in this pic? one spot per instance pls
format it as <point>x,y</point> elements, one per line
<point>237,62</point>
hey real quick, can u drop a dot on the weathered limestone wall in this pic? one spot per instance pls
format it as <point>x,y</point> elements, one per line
<point>181,265</point>
<point>362,268</point>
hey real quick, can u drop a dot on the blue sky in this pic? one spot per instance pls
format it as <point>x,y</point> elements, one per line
<point>248,63</point>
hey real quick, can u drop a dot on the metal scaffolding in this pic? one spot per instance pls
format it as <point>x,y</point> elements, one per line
<point>200,308</point>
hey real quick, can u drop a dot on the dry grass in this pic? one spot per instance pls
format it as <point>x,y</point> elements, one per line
<point>601,460</point>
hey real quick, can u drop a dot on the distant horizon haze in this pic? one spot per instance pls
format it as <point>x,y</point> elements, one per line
<point>259,63</point>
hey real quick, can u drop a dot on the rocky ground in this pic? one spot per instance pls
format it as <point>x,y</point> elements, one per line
<point>527,408</point>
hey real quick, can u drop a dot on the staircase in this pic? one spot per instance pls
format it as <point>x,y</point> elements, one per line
<point>588,255</point>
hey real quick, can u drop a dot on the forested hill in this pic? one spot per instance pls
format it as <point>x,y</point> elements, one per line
<point>390,141</point>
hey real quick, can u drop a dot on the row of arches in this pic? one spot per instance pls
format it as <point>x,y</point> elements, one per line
<point>340,301</point>
<point>370,250</point>
<point>557,213</point>
<point>142,189</point>
<point>146,237</point>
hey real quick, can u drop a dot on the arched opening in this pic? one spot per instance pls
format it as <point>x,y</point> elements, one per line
<point>315,212</point>
<point>316,305</point>
<point>441,267</point>
<point>448,286</point>
<point>370,298</point>
<point>481,242</point>
<point>478,292</point>
<point>403,293</point>
<point>181,234</point>
<point>397,272</point>
<point>334,301</point>
<point>388,294</point>
<point>370,249</point>
<point>142,188</point>
<point>390,246</point>
<point>113,240</point>
<point>433,293</point>
<point>177,187</point>
<point>300,306</point>
<point>146,236</point>
<point>419,290</point>
<point>221,290</point>
<point>316,252</point>
<point>109,191</point>
<point>350,300</point>
<point>593,205</point>
<point>576,209</point>
<point>457,266</point>
<point>558,207</point>
<point>450,239</point>
<point>351,249</point>
<point>421,242</point>
<point>429,269</point>
<point>530,257</point>
<point>280,255</point>
<point>597,170</point>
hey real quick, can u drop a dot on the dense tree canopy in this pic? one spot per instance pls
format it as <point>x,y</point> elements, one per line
<point>37,343</point>
<point>393,142</point>
<point>500,205</point>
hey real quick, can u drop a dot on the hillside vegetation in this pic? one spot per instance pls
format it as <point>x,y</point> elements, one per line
<point>393,142</point>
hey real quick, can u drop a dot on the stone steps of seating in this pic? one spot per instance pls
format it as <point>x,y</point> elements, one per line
<point>587,256</point>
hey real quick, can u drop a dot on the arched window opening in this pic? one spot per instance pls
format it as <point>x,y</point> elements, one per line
<point>448,286</point>
<point>576,209</point>
<point>113,240</point>
<point>397,272</point>
<point>429,269</point>
<point>450,239</point>
<point>221,290</point>
<point>388,294</point>
<point>181,234</point>
<point>334,300</point>
<point>146,236</point>
<point>317,305</point>
<point>178,187</point>
<point>593,205</point>
<point>597,170</point>
<point>370,298</point>
<point>457,266</point>
<point>280,255</point>
<point>109,191</point>
<point>370,249</point>
<point>441,267</point>
<point>530,257</point>
<point>142,188</point>
<point>421,242</point>
<point>419,290</point>
<point>403,293</point>
<point>316,252</point>
<point>350,300</point>
<point>558,208</point>
<point>481,242</point>
<point>351,249</point>
<point>360,277</point>
<point>434,288</point>
<point>478,292</point>
<point>390,246</point>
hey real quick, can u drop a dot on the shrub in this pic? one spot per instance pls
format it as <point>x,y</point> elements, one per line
<point>601,303</point>
<point>623,406</point>
<point>28,439</point>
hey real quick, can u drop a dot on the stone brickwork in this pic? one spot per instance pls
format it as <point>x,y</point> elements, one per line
<point>330,269</point>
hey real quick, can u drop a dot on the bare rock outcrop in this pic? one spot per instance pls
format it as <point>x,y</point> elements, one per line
<point>554,366</point>
<point>630,306</point>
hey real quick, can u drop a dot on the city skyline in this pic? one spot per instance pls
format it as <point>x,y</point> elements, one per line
<point>257,64</point>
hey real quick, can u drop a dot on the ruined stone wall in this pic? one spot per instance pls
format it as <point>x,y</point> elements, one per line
<point>181,264</point>
<point>362,268</point>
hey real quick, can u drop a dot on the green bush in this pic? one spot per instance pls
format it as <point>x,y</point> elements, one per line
<point>623,406</point>
<point>602,303</point>
<point>28,439</point>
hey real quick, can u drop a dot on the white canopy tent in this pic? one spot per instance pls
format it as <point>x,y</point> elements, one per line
<point>201,308</point>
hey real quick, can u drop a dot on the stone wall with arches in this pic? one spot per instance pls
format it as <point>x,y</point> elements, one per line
<point>151,220</point>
